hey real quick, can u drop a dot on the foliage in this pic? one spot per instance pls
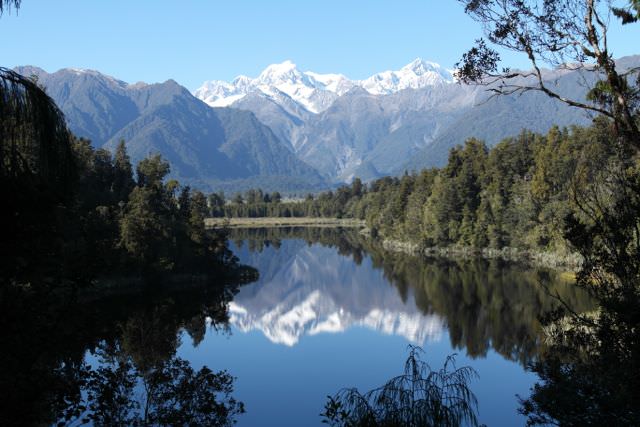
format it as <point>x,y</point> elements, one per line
<point>173,394</point>
<point>419,397</point>
<point>629,14</point>
<point>37,173</point>
<point>7,4</point>
<point>513,195</point>
<point>567,34</point>
<point>33,136</point>
<point>590,354</point>
<point>590,372</point>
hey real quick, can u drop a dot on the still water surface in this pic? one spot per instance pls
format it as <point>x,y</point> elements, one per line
<point>332,310</point>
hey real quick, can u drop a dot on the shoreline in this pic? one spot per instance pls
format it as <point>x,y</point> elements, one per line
<point>567,263</point>
<point>266,222</point>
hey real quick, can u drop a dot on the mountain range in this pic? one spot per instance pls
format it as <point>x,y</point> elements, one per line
<point>297,131</point>
<point>316,92</point>
<point>208,148</point>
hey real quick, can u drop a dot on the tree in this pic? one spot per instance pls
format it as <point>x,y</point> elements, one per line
<point>34,140</point>
<point>37,171</point>
<point>123,181</point>
<point>237,199</point>
<point>276,197</point>
<point>152,171</point>
<point>567,34</point>
<point>629,14</point>
<point>590,373</point>
<point>216,203</point>
<point>7,4</point>
<point>419,397</point>
<point>197,213</point>
<point>144,229</point>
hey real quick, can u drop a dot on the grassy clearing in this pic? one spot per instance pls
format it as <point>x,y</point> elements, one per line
<point>282,222</point>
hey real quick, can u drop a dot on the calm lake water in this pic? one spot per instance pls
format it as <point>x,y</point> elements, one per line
<point>332,310</point>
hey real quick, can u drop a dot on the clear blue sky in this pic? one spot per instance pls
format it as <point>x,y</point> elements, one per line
<point>196,40</point>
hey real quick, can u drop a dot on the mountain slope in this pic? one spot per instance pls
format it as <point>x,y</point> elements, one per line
<point>300,131</point>
<point>407,119</point>
<point>209,148</point>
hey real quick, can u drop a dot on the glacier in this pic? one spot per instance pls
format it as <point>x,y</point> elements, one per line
<point>315,91</point>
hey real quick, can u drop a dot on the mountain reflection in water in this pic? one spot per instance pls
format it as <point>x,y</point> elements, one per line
<point>316,290</point>
<point>307,287</point>
<point>339,309</point>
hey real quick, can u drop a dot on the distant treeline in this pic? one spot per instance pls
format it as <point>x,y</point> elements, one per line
<point>515,194</point>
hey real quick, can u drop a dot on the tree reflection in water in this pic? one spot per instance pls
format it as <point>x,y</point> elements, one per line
<point>486,304</point>
<point>77,358</point>
<point>171,392</point>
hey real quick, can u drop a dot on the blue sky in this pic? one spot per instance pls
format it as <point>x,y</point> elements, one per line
<point>196,40</point>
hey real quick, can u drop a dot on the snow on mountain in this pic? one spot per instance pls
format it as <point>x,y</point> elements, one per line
<point>416,75</point>
<point>316,92</point>
<point>318,291</point>
<point>317,314</point>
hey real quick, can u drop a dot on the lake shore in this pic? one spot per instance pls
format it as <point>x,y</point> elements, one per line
<point>561,262</point>
<point>567,263</point>
<point>281,222</point>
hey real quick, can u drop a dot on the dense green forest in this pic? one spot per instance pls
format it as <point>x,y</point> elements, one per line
<point>81,227</point>
<point>107,222</point>
<point>515,194</point>
<point>71,209</point>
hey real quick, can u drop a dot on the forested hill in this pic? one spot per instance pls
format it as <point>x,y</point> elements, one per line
<point>516,194</point>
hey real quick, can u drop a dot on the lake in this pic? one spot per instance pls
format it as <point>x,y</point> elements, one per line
<point>332,310</point>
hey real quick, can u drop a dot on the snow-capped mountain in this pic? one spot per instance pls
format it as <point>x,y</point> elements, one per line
<point>304,129</point>
<point>416,75</point>
<point>316,92</point>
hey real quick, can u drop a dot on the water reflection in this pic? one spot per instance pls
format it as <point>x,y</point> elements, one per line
<point>86,357</point>
<point>308,287</point>
<point>123,355</point>
<point>316,290</point>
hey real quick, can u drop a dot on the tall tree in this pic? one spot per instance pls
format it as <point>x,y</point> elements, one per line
<point>591,373</point>
<point>123,181</point>
<point>567,34</point>
<point>6,5</point>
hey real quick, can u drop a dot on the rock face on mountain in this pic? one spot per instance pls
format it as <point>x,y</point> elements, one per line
<point>209,148</point>
<point>395,120</point>
<point>293,130</point>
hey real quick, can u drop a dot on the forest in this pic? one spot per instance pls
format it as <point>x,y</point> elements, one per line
<point>83,229</point>
<point>515,194</point>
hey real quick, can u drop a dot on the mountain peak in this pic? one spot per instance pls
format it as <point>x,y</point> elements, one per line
<point>419,66</point>
<point>316,92</point>
<point>29,70</point>
<point>241,80</point>
<point>285,67</point>
<point>285,72</point>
